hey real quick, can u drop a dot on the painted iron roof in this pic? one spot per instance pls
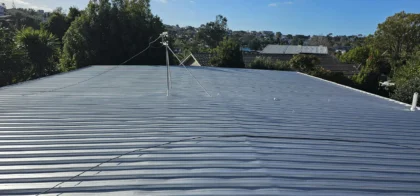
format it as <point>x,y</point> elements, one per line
<point>111,130</point>
<point>292,49</point>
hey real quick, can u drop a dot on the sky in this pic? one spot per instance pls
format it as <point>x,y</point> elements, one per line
<point>308,17</point>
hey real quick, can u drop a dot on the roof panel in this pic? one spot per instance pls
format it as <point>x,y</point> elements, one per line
<point>112,130</point>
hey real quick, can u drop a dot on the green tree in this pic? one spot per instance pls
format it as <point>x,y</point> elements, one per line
<point>255,44</point>
<point>398,36</point>
<point>213,32</point>
<point>112,32</point>
<point>73,14</point>
<point>303,62</point>
<point>56,24</point>
<point>42,49</point>
<point>14,63</point>
<point>278,37</point>
<point>407,80</point>
<point>357,56</point>
<point>227,54</point>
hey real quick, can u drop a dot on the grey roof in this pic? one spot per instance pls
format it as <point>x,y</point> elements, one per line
<point>292,49</point>
<point>112,130</point>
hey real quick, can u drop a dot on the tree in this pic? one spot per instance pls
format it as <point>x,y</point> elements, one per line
<point>407,80</point>
<point>357,56</point>
<point>255,44</point>
<point>56,24</point>
<point>112,32</point>
<point>213,32</point>
<point>13,61</point>
<point>404,91</point>
<point>21,18</point>
<point>303,62</point>
<point>42,49</point>
<point>73,14</point>
<point>398,36</point>
<point>278,37</point>
<point>227,54</point>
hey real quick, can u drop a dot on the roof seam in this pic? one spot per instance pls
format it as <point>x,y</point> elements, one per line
<point>114,158</point>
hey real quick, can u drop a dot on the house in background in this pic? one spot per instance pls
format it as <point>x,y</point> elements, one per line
<point>281,53</point>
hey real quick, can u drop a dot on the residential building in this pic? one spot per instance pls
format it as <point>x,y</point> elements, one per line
<point>115,130</point>
<point>327,62</point>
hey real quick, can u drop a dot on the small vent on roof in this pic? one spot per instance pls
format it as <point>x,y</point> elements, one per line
<point>414,104</point>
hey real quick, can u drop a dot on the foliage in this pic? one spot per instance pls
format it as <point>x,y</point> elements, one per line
<point>303,62</point>
<point>111,32</point>
<point>56,24</point>
<point>369,76</point>
<point>339,78</point>
<point>42,49</point>
<point>73,14</point>
<point>405,90</point>
<point>268,63</point>
<point>255,44</point>
<point>21,18</point>
<point>398,37</point>
<point>411,70</point>
<point>407,80</point>
<point>213,32</point>
<point>227,54</point>
<point>13,61</point>
<point>357,56</point>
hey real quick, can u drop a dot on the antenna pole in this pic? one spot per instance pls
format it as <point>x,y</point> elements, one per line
<point>164,36</point>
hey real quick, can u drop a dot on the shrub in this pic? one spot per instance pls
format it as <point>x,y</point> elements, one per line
<point>339,78</point>
<point>303,62</point>
<point>268,63</point>
<point>227,54</point>
<point>405,90</point>
<point>42,49</point>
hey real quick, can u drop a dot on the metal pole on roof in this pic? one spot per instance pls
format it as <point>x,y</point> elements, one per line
<point>164,36</point>
<point>414,104</point>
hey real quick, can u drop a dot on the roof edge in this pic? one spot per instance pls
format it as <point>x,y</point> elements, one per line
<point>45,77</point>
<point>360,91</point>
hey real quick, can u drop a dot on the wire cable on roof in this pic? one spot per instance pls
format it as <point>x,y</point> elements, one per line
<point>150,44</point>
<point>189,72</point>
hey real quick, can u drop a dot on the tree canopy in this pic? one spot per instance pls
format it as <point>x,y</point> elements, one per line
<point>228,54</point>
<point>213,32</point>
<point>106,33</point>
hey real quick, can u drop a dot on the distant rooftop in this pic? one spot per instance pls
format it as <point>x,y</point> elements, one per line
<point>292,49</point>
<point>111,130</point>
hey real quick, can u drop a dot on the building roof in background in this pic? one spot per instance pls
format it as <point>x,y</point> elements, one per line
<point>327,61</point>
<point>202,58</point>
<point>112,130</point>
<point>291,49</point>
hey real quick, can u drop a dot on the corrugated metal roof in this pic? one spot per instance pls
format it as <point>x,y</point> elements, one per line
<point>113,131</point>
<point>291,49</point>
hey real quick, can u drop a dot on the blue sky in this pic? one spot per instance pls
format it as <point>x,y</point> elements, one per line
<point>309,17</point>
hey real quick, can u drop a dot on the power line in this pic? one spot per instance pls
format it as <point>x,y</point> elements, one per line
<point>150,44</point>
